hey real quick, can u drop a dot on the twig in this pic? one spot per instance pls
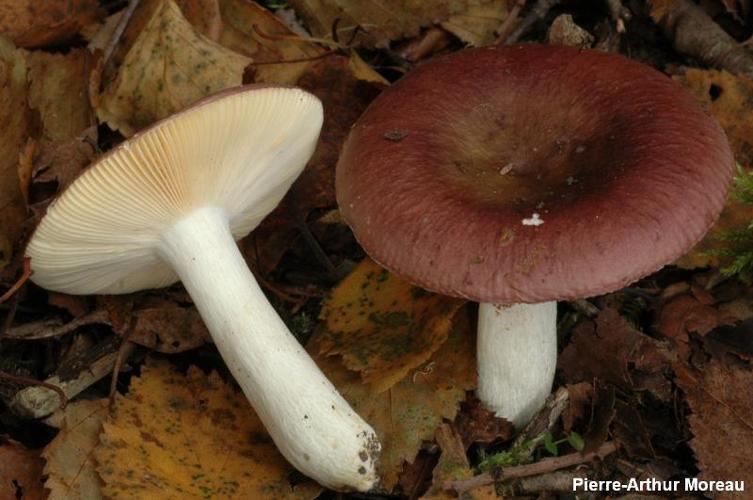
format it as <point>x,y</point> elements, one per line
<point>19,283</point>
<point>506,27</point>
<point>553,481</point>
<point>119,29</point>
<point>538,12</point>
<point>541,467</point>
<point>48,328</point>
<point>694,33</point>
<point>314,245</point>
<point>38,402</point>
<point>619,14</point>
<point>125,348</point>
<point>37,383</point>
<point>432,41</point>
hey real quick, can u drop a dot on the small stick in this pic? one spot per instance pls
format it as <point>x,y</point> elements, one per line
<point>119,29</point>
<point>18,284</point>
<point>541,467</point>
<point>506,27</point>
<point>538,12</point>
<point>125,349</point>
<point>34,382</point>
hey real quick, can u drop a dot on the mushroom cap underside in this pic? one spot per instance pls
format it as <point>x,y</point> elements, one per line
<point>239,150</point>
<point>531,173</point>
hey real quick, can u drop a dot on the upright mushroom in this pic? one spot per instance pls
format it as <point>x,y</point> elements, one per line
<point>168,204</point>
<point>517,176</point>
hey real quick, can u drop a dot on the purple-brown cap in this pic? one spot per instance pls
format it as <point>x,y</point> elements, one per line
<point>531,173</point>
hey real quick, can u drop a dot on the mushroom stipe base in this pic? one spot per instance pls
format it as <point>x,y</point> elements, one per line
<point>516,348</point>
<point>309,421</point>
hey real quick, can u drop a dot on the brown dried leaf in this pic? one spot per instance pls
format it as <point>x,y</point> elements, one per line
<point>20,472</point>
<point>579,404</point>
<point>31,23</point>
<point>345,92</point>
<point>190,436</point>
<point>70,462</point>
<point>453,466</point>
<point>15,118</point>
<point>378,22</point>
<point>169,66</point>
<point>683,315</point>
<point>169,329</point>
<point>58,91</point>
<point>204,15</point>
<point>247,28</point>
<point>382,326</point>
<point>409,412</point>
<point>721,421</point>
<point>728,97</point>
<point>476,424</point>
<point>607,347</point>
<point>344,97</point>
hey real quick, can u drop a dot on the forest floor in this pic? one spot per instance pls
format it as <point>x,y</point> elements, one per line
<point>654,381</point>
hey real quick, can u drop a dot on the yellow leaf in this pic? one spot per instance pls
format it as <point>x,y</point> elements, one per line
<point>363,71</point>
<point>70,462</point>
<point>728,97</point>
<point>478,24</point>
<point>177,436</point>
<point>383,326</point>
<point>408,413</point>
<point>169,66</point>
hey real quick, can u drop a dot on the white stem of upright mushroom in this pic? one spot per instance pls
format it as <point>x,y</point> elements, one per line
<point>517,355</point>
<point>310,422</point>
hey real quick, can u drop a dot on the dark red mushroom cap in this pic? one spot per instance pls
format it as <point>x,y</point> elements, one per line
<point>532,173</point>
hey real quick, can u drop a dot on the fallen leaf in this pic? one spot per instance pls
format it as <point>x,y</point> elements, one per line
<point>252,30</point>
<point>409,412</point>
<point>21,472</point>
<point>721,421</point>
<point>382,326</point>
<point>684,315</point>
<point>169,66</point>
<point>728,98</point>
<point>58,91</point>
<point>169,329</point>
<point>15,117</point>
<point>477,25</point>
<point>376,23</point>
<point>70,465</point>
<point>475,424</point>
<point>344,97</point>
<point>5,251</point>
<point>30,23</point>
<point>578,405</point>
<point>453,466</point>
<point>204,15</point>
<point>611,350</point>
<point>190,436</point>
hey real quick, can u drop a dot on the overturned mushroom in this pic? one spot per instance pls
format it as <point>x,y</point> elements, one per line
<point>169,204</point>
<point>528,174</point>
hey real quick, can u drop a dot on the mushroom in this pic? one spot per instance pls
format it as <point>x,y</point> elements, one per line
<point>168,205</point>
<point>518,176</point>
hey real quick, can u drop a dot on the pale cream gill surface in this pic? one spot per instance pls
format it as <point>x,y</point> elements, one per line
<point>240,152</point>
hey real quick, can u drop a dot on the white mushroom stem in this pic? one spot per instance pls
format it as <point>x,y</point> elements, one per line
<point>517,356</point>
<point>309,421</point>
